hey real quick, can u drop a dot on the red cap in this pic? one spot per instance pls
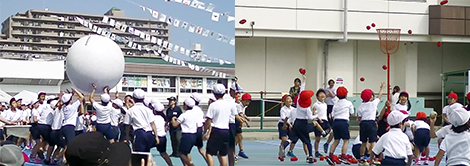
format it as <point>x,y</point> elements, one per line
<point>468,96</point>
<point>284,97</point>
<point>366,94</point>
<point>246,96</point>
<point>305,98</point>
<point>420,115</point>
<point>404,93</point>
<point>453,95</point>
<point>341,91</point>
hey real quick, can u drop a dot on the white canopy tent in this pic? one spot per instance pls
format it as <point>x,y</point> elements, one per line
<point>4,97</point>
<point>27,96</point>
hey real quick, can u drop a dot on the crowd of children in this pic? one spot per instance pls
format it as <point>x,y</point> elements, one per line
<point>56,120</point>
<point>387,136</point>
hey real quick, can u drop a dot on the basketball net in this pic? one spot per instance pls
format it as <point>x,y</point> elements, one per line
<point>389,42</point>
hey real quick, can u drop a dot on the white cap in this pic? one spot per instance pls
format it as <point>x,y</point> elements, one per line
<point>454,106</point>
<point>118,102</point>
<point>53,103</point>
<point>395,117</point>
<point>458,117</point>
<point>189,102</point>
<point>66,97</point>
<point>212,97</point>
<point>155,103</point>
<point>105,97</point>
<point>34,101</point>
<point>196,96</point>
<point>236,87</point>
<point>219,89</point>
<point>147,101</point>
<point>138,94</point>
<point>50,97</point>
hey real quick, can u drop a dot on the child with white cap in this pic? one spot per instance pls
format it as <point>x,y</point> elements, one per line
<point>142,120</point>
<point>103,114</point>
<point>200,124</point>
<point>394,144</point>
<point>456,144</point>
<point>115,116</point>
<point>55,134</point>
<point>234,89</point>
<point>71,110</point>
<point>216,128</point>
<point>188,122</point>
<point>160,124</point>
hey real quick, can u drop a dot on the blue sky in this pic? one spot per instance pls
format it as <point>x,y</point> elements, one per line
<point>179,36</point>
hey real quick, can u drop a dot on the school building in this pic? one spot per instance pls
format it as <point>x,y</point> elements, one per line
<point>331,40</point>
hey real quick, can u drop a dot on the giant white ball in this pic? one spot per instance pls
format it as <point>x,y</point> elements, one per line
<point>94,59</point>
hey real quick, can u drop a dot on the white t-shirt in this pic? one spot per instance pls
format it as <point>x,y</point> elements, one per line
<point>115,114</point>
<point>285,112</point>
<point>321,109</point>
<point>357,141</point>
<point>140,117</point>
<point>103,113</point>
<point>419,124</point>
<point>34,113</point>
<point>305,113</point>
<point>342,109</point>
<point>220,111</point>
<point>71,113</point>
<point>2,114</point>
<point>26,114</point>
<point>292,116</point>
<point>394,99</point>
<point>330,100</point>
<point>199,115</point>
<point>394,144</point>
<point>407,130</point>
<point>160,125</point>
<point>368,110</point>
<point>80,123</point>
<point>441,133</point>
<point>188,121</point>
<point>457,148</point>
<point>45,116</point>
<point>399,107</point>
<point>12,116</point>
<point>233,110</point>
<point>58,119</point>
<point>240,108</point>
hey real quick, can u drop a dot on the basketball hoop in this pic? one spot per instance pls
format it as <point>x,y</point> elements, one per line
<point>389,41</point>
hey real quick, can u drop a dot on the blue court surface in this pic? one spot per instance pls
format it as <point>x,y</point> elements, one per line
<point>264,153</point>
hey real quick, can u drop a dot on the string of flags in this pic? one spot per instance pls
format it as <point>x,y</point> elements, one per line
<point>162,43</point>
<point>106,33</point>
<point>192,28</point>
<point>202,6</point>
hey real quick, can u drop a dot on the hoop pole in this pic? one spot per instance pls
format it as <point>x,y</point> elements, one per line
<point>388,80</point>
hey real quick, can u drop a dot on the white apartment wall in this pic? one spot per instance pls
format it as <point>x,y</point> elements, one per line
<point>32,69</point>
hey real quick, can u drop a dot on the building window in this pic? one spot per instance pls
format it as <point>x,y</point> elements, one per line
<point>36,39</point>
<point>163,84</point>
<point>190,85</point>
<point>36,32</point>
<point>36,24</point>
<point>61,41</point>
<point>60,26</point>
<point>131,82</point>
<point>212,82</point>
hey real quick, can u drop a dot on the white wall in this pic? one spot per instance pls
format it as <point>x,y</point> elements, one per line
<point>32,69</point>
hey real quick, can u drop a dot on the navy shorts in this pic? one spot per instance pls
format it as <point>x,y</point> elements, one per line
<point>310,127</point>
<point>239,128</point>
<point>56,138</point>
<point>393,161</point>
<point>329,109</point>
<point>187,142</point>
<point>233,133</point>
<point>356,151</point>
<point>218,142</point>
<point>78,132</point>
<point>2,135</point>
<point>325,126</point>
<point>122,136</point>
<point>341,129</point>
<point>68,131</point>
<point>115,130</point>
<point>199,139</point>
<point>161,146</point>
<point>300,131</point>
<point>45,132</point>
<point>368,131</point>
<point>282,132</point>
<point>34,131</point>
<point>106,130</point>
<point>144,140</point>
<point>422,139</point>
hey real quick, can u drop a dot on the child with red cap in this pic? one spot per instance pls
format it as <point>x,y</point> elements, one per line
<point>366,114</point>
<point>341,112</point>
<point>468,101</point>
<point>241,107</point>
<point>452,99</point>
<point>403,103</point>
<point>303,114</point>
<point>421,131</point>
<point>283,125</point>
